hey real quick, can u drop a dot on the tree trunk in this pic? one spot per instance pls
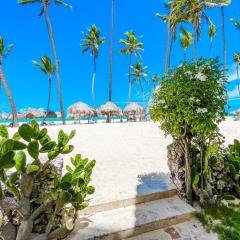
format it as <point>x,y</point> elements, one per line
<point>50,33</point>
<point>129,79</point>
<point>167,40</point>
<point>188,172</point>
<point>49,97</point>
<point>93,81</point>
<point>10,98</point>
<point>195,37</point>
<point>224,43</point>
<point>170,52</point>
<point>185,55</point>
<point>238,77</point>
<point>111,53</point>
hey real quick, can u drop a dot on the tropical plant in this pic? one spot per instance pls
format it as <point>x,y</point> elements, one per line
<point>188,115</point>
<point>138,74</point>
<point>185,41</point>
<point>45,5</point>
<point>47,68</point>
<point>35,198</point>
<point>111,52</point>
<point>92,42</point>
<point>212,33</point>
<point>237,61</point>
<point>132,46</point>
<point>155,80</point>
<point>4,51</point>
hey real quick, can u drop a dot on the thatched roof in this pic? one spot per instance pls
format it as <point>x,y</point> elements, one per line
<point>80,109</point>
<point>33,113</point>
<point>109,108</point>
<point>51,114</point>
<point>4,116</point>
<point>133,109</point>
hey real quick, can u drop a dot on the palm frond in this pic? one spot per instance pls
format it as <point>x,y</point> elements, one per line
<point>60,2</point>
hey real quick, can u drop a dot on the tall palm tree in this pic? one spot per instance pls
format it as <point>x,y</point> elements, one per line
<point>185,41</point>
<point>138,74</point>
<point>111,52</point>
<point>47,68</point>
<point>4,51</point>
<point>212,34</point>
<point>132,46</point>
<point>92,42</point>
<point>155,80</point>
<point>45,5</point>
<point>236,59</point>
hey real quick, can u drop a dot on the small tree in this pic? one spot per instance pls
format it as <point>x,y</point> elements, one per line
<point>189,103</point>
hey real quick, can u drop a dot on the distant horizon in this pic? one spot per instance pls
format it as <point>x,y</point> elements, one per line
<point>21,26</point>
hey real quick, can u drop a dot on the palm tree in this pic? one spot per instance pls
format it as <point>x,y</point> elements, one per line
<point>185,41</point>
<point>212,33</point>
<point>4,51</point>
<point>236,59</point>
<point>111,52</point>
<point>132,46</point>
<point>139,73</point>
<point>92,42</point>
<point>47,68</point>
<point>155,80</point>
<point>45,5</point>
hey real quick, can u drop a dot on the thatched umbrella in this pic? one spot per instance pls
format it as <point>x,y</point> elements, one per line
<point>33,113</point>
<point>51,114</point>
<point>4,116</point>
<point>59,115</point>
<point>80,109</point>
<point>109,109</point>
<point>133,110</point>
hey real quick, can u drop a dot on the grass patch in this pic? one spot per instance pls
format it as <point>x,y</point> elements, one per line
<point>224,220</point>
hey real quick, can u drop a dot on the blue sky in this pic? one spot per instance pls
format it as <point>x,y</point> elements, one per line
<point>21,26</point>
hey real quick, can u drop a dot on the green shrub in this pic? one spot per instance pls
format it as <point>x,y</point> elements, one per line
<point>34,196</point>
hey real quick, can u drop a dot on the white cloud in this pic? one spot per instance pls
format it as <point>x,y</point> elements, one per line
<point>232,73</point>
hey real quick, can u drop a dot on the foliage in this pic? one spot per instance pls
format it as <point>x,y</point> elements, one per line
<point>31,188</point>
<point>189,104</point>
<point>223,219</point>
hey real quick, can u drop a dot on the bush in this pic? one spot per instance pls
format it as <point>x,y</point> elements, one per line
<point>189,104</point>
<point>34,196</point>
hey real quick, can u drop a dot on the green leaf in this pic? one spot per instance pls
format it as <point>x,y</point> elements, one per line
<point>42,133</point>
<point>69,169</point>
<point>44,140</point>
<point>35,128</point>
<point>3,131</point>
<point>52,155</point>
<point>16,136</point>
<point>20,159</point>
<point>82,205</point>
<point>7,146</point>
<point>195,182</point>
<point>33,149</point>
<point>62,138</point>
<point>18,145</point>
<point>48,147</point>
<point>14,177</point>
<point>90,189</point>
<point>72,134</point>
<point>229,197</point>
<point>32,169</point>
<point>67,149</point>
<point>26,132</point>
<point>6,161</point>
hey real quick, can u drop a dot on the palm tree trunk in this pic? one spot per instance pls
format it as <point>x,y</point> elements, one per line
<point>224,43</point>
<point>50,33</point>
<point>167,41</point>
<point>141,87</point>
<point>111,53</point>
<point>93,81</point>
<point>185,55</point>
<point>195,37</point>
<point>129,79</point>
<point>238,77</point>
<point>10,98</point>
<point>49,97</point>
<point>170,52</point>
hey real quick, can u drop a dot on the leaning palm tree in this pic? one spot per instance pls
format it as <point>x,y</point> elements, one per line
<point>132,46</point>
<point>185,41</point>
<point>138,74</point>
<point>92,42</point>
<point>45,5</point>
<point>111,52</point>
<point>47,68</point>
<point>236,59</point>
<point>3,54</point>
